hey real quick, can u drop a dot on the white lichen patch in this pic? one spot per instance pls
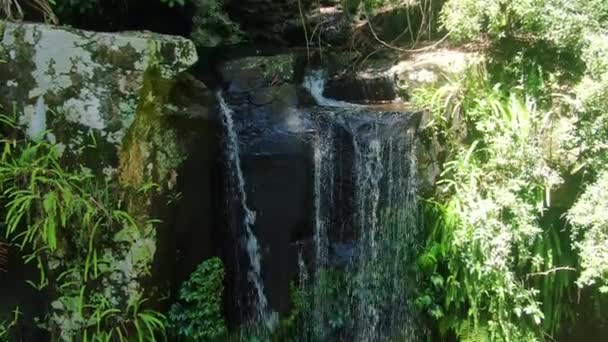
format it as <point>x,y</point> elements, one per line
<point>34,119</point>
<point>85,110</point>
<point>52,72</point>
<point>109,172</point>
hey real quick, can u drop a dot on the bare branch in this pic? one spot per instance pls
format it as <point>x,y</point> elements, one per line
<point>553,270</point>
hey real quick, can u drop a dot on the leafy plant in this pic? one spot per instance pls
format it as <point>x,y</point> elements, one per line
<point>486,240</point>
<point>64,219</point>
<point>212,26</point>
<point>148,325</point>
<point>5,327</point>
<point>197,315</point>
<point>589,217</point>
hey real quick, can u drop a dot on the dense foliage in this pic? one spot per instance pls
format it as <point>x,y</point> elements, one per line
<point>500,266</point>
<point>212,27</point>
<point>507,251</point>
<point>493,192</point>
<point>197,315</point>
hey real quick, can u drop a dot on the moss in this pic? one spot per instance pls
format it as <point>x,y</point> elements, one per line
<point>2,29</point>
<point>124,57</point>
<point>150,154</point>
<point>151,150</point>
<point>279,66</point>
<point>150,139</point>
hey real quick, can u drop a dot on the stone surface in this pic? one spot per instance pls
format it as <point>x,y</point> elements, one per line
<point>262,84</point>
<point>111,102</point>
<point>250,73</point>
<point>361,89</point>
<point>431,68</point>
<point>353,78</point>
<point>90,80</point>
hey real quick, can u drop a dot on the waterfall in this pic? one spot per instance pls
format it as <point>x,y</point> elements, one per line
<point>369,295</point>
<point>368,173</point>
<point>323,205</point>
<point>254,275</point>
<point>314,82</point>
<point>356,254</point>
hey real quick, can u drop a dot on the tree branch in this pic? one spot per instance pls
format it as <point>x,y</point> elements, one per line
<point>553,270</point>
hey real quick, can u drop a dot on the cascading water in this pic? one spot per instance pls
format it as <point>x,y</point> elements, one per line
<point>352,233</point>
<point>263,312</point>
<point>365,294</point>
<point>314,82</point>
<point>368,172</point>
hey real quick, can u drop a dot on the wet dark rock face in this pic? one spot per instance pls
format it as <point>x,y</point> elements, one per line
<point>356,89</point>
<point>277,163</point>
<point>278,170</point>
<point>275,21</point>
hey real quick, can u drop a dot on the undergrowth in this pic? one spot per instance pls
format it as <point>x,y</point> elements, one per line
<point>507,253</point>
<point>62,219</point>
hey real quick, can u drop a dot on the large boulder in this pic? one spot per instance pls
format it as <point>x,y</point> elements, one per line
<point>112,102</point>
<point>92,80</point>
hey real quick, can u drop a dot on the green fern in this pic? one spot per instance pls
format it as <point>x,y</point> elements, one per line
<point>470,332</point>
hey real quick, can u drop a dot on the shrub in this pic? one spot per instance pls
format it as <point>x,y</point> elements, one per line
<point>197,315</point>
<point>212,26</point>
<point>589,218</point>
<point>486,242</point>
<point>562,22</point>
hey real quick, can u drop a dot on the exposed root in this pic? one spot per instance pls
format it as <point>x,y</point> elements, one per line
<point>13,10</point>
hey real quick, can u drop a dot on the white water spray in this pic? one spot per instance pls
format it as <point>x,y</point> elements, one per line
<point>314,82</point>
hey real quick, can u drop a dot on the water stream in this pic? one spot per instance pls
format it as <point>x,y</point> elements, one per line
<point>357,266</point>
<point>314,82</point>
<point>365,253</point>
<point>263,313</point>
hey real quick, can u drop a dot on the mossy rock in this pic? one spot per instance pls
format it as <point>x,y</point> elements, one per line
<point>92,80</point>
<point>106,99</point>
<point>254,72</point>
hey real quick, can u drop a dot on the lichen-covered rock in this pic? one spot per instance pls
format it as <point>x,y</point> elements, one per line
<point>431,68</point>
<point>107,100</point>
<point>90,81</point>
